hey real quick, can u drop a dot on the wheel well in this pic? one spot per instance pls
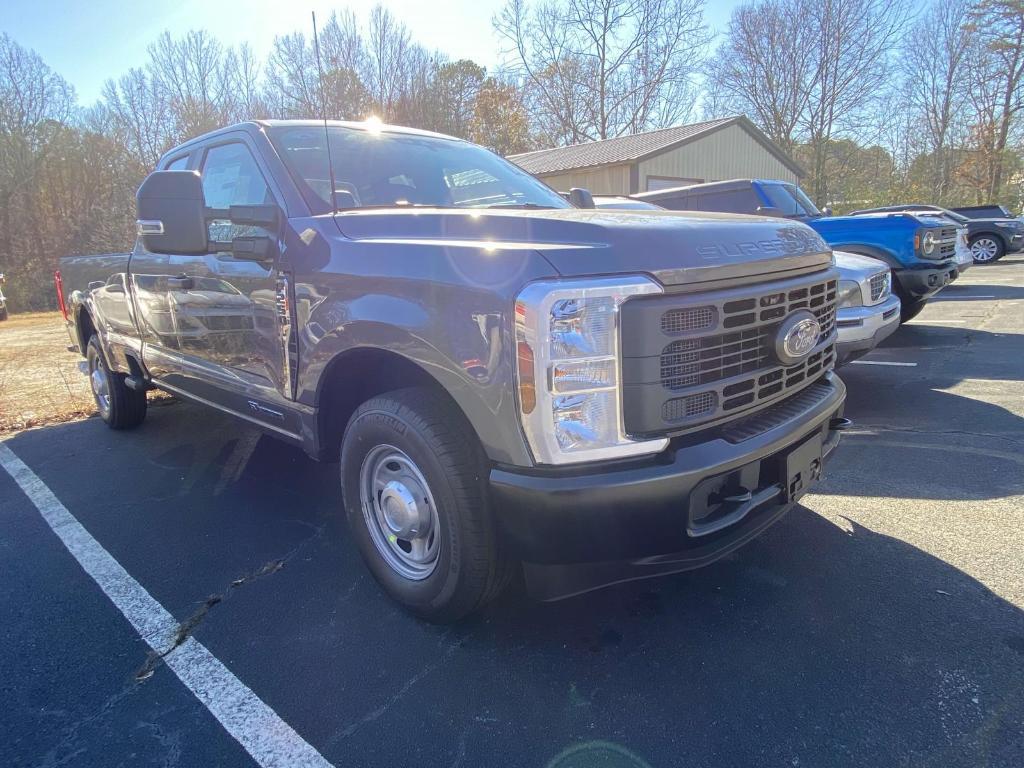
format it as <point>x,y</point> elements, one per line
<point>354,377</point>
<point>85,328</point>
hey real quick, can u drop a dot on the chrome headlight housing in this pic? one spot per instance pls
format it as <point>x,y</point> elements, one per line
<point>850,294</point>
<point>568,369</point>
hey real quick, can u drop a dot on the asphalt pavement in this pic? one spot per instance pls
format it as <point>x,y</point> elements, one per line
<point>881,623</point>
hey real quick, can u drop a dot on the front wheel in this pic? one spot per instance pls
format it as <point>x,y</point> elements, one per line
<point>118,406</point>
<point>413,480</point>
<point>985,249</point>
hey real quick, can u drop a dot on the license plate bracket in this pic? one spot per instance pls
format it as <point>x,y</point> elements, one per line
<point>803,467</point>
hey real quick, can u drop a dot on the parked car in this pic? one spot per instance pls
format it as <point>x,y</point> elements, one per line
<point>3,299</point>
<point>921,253</point>
<point>984,211</point>
<point>988,239</point>
<point>503,377</point>
<point>868,311</point>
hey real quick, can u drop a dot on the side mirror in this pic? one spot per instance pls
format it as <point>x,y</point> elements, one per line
<point>581,198</point>
<point>171,213</point>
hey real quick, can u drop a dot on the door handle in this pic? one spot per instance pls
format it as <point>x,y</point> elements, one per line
<point>181,283</point>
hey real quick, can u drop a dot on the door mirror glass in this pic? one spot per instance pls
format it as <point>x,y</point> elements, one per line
<point>171,212</point>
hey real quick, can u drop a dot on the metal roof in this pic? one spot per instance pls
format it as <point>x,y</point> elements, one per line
<point>639,146</point>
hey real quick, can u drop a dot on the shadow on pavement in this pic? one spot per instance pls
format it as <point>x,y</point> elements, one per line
<point>816,644</point>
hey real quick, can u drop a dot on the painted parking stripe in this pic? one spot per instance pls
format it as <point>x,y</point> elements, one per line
<point>967,297</point>
<point>261,732</point>
<point>882,362</point>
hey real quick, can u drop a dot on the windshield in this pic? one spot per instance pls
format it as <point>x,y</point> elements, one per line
<point>394,170</point>
<point>790,200</point>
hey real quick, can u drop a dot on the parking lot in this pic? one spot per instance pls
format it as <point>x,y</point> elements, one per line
<point>881,623</point>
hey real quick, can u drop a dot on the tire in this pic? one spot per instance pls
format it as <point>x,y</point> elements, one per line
<point>911,309</point>
<point>987,249</point>
<point>412,445</point>
<point>118,406</point>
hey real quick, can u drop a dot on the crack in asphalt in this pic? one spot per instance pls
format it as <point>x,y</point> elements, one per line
<point>939,432</point>
<point>187,627</point>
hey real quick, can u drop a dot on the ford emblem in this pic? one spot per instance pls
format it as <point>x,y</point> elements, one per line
<point>797,336</point>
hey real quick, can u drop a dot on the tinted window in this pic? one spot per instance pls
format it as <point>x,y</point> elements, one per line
<point>731,201</point>
<point>178,164</point>
<point>385,168</point>
<point>231,177</point>
<point>789,199</point>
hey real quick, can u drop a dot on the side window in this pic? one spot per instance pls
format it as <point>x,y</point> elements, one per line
<point>178,164</point>
<point>231,177</point>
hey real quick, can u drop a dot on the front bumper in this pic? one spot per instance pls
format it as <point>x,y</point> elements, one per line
<point>861,329</point>
<point>578,529</point>
<point>916,284</point>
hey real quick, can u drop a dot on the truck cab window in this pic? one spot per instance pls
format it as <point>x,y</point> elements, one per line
<point>178,164</point>
<point>231,177</point>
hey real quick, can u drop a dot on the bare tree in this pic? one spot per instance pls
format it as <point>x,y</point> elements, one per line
<point>997,83</point>
<point>934,63</point>
<point>762,68</point>
<point>601,68</point>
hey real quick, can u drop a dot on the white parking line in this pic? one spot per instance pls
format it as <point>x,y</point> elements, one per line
<point>261,732</point>
<point>967,297</point>
<point>882,362</point>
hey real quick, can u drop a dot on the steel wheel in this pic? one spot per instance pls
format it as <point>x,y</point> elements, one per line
<point>99,380</point>
<point>400,513</point>
<point>984,249</point>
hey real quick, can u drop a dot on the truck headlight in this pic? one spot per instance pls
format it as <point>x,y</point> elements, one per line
<point>928,242</point>
<point>850,294</point>
<point>568,371</point>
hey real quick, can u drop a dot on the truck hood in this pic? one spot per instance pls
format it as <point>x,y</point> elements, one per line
<point>852,265</point>
<point>674,247</point>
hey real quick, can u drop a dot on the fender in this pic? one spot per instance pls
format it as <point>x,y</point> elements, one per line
<point>872,251</point>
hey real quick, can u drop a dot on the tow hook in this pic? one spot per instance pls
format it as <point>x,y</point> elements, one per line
<point>838,424</point>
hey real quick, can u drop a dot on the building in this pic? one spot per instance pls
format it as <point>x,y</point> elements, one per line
<point>728,148</point>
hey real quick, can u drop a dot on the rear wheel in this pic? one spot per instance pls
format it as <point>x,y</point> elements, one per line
<point>413,479</point>
<point>987,248</point>
<point>118,406</point>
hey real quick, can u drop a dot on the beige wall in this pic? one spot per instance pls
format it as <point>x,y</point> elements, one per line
<point>726,154</point>
<point>609,180</point>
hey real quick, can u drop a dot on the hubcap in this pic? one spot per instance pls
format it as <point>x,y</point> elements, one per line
<point>399,512</point>
<point>984,249</point>
<point>100,385</point>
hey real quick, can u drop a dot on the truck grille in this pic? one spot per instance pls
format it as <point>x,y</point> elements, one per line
<point>693,359</point>
<point>947,243</point>
<point>878,284</point>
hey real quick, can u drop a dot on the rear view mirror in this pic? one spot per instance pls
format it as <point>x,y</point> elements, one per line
<point>171,211</point>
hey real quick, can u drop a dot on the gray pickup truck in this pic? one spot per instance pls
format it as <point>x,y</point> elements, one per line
<point>505,379</point>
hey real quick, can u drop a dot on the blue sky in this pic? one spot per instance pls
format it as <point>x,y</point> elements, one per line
<point>89,41</point>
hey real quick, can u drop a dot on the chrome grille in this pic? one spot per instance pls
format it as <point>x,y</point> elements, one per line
<point>878,283</point>
<point>724,364</point>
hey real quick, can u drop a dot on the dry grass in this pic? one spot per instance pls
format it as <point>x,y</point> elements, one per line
<point>40,381</point>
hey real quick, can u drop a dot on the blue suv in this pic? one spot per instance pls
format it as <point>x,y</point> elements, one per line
<point>920,251</point>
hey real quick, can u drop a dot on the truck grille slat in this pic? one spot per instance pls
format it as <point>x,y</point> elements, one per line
<point>725,364</point>
<point>878,283</point>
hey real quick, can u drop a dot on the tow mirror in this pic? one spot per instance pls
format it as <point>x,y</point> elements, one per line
<point>581,198</point>
<point>171,213</point>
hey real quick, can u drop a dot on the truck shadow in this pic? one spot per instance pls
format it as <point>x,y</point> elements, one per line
<point>825,641</point>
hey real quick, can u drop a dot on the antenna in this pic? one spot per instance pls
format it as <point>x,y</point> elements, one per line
<point>323,113</point>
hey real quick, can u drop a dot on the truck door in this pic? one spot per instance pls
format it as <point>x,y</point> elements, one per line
<point>222,341</point>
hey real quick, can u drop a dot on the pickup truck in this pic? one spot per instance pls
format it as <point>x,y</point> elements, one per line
<point>505,380</point>
<point>868,311</point>
<point>989,238</point>
<point>921,253</point>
